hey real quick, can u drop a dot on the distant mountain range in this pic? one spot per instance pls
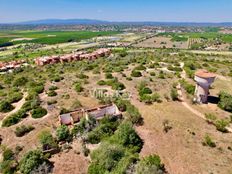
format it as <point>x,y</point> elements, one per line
<point>101,22</point>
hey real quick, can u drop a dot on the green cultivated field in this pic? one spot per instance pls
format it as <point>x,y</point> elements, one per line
<point>50,37</point>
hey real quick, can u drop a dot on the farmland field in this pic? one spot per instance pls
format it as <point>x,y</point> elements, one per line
<point>49,37</point>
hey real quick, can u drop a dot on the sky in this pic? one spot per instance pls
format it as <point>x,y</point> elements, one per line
<point>117,10</point>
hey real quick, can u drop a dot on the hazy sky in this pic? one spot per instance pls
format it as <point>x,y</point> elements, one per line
<point>118,10</point>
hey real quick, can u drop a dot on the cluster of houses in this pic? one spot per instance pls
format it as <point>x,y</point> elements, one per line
<point>8,66</point>
<point>97,113</point>
<point>81,55</point>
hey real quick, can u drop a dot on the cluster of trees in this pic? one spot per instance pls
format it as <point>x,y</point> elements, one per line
<point>52,91</point>
<point>146,94</point>
<point>118,152</point>
<point>114,83</point>
<point>225,101</point>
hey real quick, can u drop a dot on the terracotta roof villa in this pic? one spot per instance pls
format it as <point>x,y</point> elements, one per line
<point>81,55</point>
<point>5,66</point>
<point>98,113</point>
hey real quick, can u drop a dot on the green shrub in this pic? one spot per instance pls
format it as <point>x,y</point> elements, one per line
<point>53,88</point>
<point>101,83</point>
<point>156,97</point>
<point>51,93</point>
<point>14,118</point>
<point>62,133</point>
<point>225,101</point>
<point>82,76</point>
<point>146,99</point>
<point>56,78</point>
<point>133,114</point>
<point>208,141</point>
<point>8,165</point>
<point>109,76</point>
<point>8,154</point>
<point>38,112</point>
<point>15,97</point>
<point>5,106</point>
<point>211,117</point>
<point>121,104</point>
<point>153,74</point>
<point>145,90</point>
<point>84,126</point>
<point>47,141</point>
<point>21,81</point>
<point>31,160</point>
<point>221,125</point>
<point>23,130</point>
<point>150,164</point>
<point>174,94</point>
<point>127,136</point>
<point>78,87</point>
<point>106,158</point>
<point>105,129</point>
<point>136,74</point>
<point>115,84</point>
<point>140,68</point>
<point>189,88</point>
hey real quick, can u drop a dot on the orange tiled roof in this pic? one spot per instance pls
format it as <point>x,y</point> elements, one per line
<point>205,74</point>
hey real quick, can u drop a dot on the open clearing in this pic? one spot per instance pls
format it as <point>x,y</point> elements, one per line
<point>162,42</point>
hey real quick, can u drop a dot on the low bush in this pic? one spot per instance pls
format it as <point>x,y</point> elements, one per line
<point>82,76</point>
<point>189,88</point>
<point>14,118</point>
<point>8,164</point>
<point>38,112</point>
<point>21,81</point>
<point>127,136</point>
<point>53,88</point>
<point>84,126</point>
<point>31,161</point>
<point>5,106</point>
<point>62,133</point>
<point>136,74</point>
<point>47,141</point>
<point>133,115</point>
<point>14,97</point>
<point>153,74</point>
<point>221,125</point>
<point>140,68</point>
<point>105,129</point>
<point>109,76</point>
<point>51,93</point>
<point>225,101</point>
<point>23,130</point>
<point>211,117</point>
<point>101,83</point>
<point>78,87</point>
<point>208,141</point>
<point>150,164</point>
<point>174,94</point>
